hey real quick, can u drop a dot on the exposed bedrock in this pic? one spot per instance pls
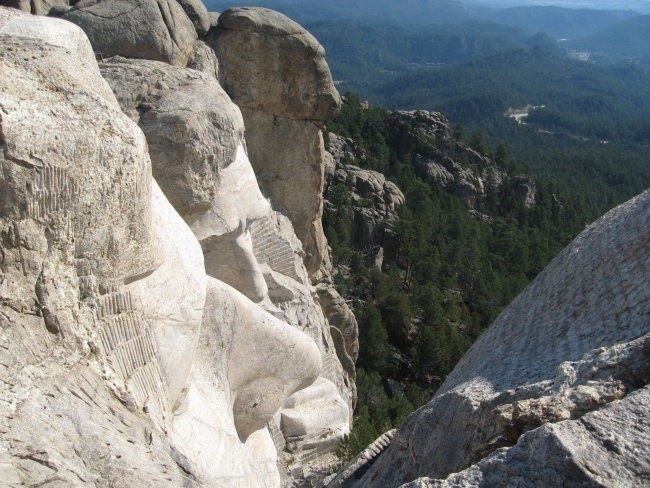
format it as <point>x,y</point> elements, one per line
<point>561,376</point>
<point>275,71</point>
<point>196,136</point>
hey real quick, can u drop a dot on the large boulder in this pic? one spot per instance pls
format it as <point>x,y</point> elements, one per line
<point>273,64</point>
<point>558,382</point>
<point>147,29</point>
<point>276,73</point>
<point>36,7</point>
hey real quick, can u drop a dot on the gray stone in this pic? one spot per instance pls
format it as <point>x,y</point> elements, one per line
<point>270,63</point>
<point>36,7</point>
<point>198,14</point>
<point>202,58</point>
<point>374,199</point>
<point>147,29</point>
<point>282,167</point>
<point>186,117</point>
<point>123,363</point>
<point>276,73</point>
<point>458,167</point>
<point>607,447</point>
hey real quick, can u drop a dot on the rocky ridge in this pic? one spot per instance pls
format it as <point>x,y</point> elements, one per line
<point>426,137</point>
<point>171,334</point>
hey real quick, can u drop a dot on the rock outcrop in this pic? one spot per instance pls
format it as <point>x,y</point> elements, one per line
<point>36,7</point>
<point>427,139</point>
<point>373,199</point>
<point>555,392</point>
<point>276,73</point>
<point>151,333</point>
<point>147,29</point>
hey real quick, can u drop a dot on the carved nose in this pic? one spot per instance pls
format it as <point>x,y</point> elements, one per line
<point>268,360</point>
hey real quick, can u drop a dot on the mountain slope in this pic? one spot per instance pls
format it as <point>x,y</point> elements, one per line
<point>629,39</point>
<point>560,22</point>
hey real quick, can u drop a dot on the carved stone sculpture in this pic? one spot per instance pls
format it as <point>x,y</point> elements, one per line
<point>104,297</point>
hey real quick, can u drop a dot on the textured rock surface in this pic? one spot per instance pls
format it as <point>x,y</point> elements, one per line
<point>374,199</point>
<point>123,364</point>
<point>70,238</point>
<point>276,73</point>
<point>282,167</point>
<point>146,29</point>
<point>273,65</point>
<point>36,7</point>
<point>607,447</point>
<point>461,169</point>
<point>575,341</point>
<point>341,317</point>
<point>198,14</point>
<point>195,134</point>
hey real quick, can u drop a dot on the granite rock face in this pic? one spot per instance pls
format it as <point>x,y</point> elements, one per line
<point>255,42</point>
<point>126,362</point>
<point>458,167</point>
<point>558,383</point>
<point>276,73</point>
<point>36,7</point>
<point>147,29</point>
<point>195,136</point>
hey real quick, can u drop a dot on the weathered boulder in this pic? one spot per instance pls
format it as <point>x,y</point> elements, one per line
<point>276,73</point>
<point>146,29</point>
<point>36,7</point>
<point>198,14</point>
<point>273,65</point>
<point>568,357</point>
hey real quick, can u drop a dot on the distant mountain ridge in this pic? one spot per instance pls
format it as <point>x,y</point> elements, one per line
<point>629,39</point>
<point>560,22</point>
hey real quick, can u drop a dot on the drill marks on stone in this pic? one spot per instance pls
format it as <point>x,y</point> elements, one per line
<point>54,189</point>
<point>128,342</point>
<point>269,248</point>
